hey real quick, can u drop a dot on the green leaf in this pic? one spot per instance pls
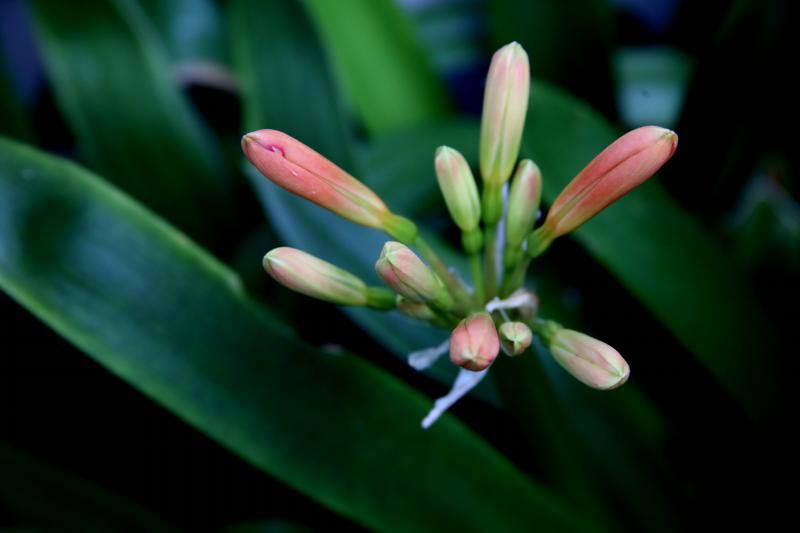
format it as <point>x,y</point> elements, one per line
<point>453,33</point>
<point>604,450</point>
<point>50,498</point>
<point>191,29</point>
<point>112,81</point>
<point>13,121</point>
<point>380,62</point>
<point>289,88</point>
<point>658,251</point>
<point>161,313</point>
<point>268,526</point>
<point>569,43</point>
<point>399,166</point>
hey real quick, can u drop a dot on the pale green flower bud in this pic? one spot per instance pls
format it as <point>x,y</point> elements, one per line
<point>591,361</point>
<point>515,337</point>
<point>458,188</point>
<point>523,208</point>
<point>314,277</point>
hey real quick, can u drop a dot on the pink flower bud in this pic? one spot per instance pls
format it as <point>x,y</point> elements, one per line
<point>403,271</point>
<point>618,169</point>
<point>595,363</point>
<point>515,337</point>
<point>474,343</point>
<point>505,103</point>
<point>304,172</point>
<point>314,277</point>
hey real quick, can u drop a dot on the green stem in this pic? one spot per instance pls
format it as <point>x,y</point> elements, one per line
<point>490,261</point>
<point>454,286</point>
<point>517,277</point>
<point>380,298</point>
<point>477,277</point>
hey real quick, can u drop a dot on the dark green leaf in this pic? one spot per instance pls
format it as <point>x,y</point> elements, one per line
<point>112,82</point>
<point>380,62</point>
<point>658,251</point>
<point>399,166</point>
<point>452,31</point>
<point>268,526</point>
<point>12,117</point>
<point>569,43</point>
<point>161,313</point>
<point>191,29</point>
<point>289,88</point>
<point>49,498</point>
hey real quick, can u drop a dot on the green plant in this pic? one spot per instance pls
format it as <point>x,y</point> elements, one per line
<point>144,254</point>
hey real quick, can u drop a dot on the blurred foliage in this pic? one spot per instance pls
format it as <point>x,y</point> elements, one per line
<point>569,43</point>
<point>144,253</point>
<point>12,117</point>
<point>59,501</point>
<point>108,67</point>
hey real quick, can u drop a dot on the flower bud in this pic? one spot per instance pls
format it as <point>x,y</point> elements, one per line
<point>618,169</point>
<point>314,277</point>
<point>404,272</point>
<point>515,337</point>
<point>304,172</point>
<point>458,188</point>
<point>413,309</point>
<point>505,103</point>
<point>474,343</point>
<point>523,207</point>
<point>595,363</point>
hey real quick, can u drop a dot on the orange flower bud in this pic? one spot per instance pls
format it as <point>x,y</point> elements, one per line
<point>474,343</point>
<point>304,172</point>
<point>624,165</point>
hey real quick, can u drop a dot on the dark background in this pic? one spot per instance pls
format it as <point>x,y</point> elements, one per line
<point>734,95</point>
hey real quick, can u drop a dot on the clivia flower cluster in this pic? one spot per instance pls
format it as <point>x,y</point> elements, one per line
<point>497,227</point>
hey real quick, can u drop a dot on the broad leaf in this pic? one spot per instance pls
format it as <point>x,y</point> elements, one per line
<point>112,81</point>
<point>13,121</point>
<point>192,29</point>
<point>569,43</point>
<point>380,62</point>
<point>147,303</point>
